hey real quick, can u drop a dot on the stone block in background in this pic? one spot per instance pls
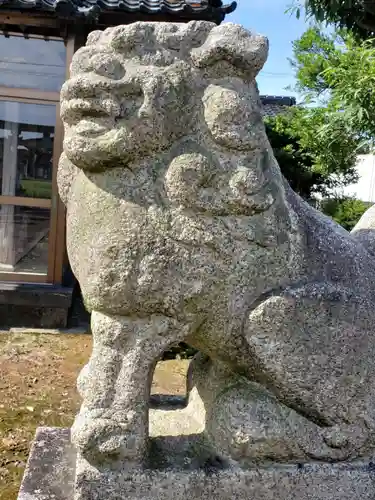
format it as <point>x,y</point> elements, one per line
<point>34,305</point>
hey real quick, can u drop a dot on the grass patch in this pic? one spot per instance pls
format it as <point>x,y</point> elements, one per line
<point>36,188</point>
<point>38,388</point>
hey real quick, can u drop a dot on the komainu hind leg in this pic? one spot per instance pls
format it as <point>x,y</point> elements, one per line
<point>243,421</point>
<point>314,348</point>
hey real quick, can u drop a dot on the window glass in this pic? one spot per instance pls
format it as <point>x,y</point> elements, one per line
<point>33,63</point>
<point>26,149</point>
<point>24,239</point>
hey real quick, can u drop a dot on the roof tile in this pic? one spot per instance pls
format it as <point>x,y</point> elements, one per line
<point>195,9</point>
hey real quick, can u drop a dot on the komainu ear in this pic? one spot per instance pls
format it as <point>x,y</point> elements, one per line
<point>234,44</point>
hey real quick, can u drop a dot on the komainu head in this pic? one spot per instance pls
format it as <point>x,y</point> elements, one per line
<point>137,89</point>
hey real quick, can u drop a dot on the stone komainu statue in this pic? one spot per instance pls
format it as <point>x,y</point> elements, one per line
<point>181,227</point>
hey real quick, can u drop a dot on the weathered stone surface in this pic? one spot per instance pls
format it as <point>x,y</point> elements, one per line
<point>179,476</point>
<point>311,482</point>
<point>180,226</point>
<point>50,470</point>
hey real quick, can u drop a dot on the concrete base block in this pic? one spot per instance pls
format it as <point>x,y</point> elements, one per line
<point>174,474</point>
<point>34,305</point>
<point>50,470</point>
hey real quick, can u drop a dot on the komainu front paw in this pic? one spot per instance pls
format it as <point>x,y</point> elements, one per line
<point>350,441</point>
<point>100,439</point>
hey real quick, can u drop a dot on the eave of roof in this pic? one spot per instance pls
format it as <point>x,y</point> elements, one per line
<point>278,100</point>
<point>89,10</point>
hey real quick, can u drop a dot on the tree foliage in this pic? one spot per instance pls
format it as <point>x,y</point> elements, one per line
<point>336,70</point>
<point>351,81</point>
<point>313,54</point>
<point>310,160</point>
<point>356,15</point>
<point>317,147</point>
<point>346,211</point>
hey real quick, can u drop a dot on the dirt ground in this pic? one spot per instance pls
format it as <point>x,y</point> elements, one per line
<point>37,388</point>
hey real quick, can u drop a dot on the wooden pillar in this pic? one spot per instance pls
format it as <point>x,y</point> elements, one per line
<point>7,219</point>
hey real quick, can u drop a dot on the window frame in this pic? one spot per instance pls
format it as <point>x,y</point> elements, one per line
<point>56,244</point>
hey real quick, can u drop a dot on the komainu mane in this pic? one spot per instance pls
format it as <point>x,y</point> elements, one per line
<point>181,227</point>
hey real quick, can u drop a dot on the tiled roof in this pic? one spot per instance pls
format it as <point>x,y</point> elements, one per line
<point>274,105</point>
<point>187,9</point>
<point>279,100</point>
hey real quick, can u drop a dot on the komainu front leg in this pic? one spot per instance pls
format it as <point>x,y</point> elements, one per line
<point>115,385</point>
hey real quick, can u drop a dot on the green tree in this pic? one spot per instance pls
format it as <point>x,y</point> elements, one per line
<point>344,210</point>
<point>351,81</point>
<point>355,15</point>
<point>337,71</point>
<point>313,54</point>
<point>310,160</point>
<point>317,146</point>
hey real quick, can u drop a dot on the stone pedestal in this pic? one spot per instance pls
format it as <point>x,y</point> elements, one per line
<point>176,473</point>
<point>50,469</point>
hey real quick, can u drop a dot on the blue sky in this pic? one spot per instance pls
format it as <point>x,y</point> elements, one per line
<point>268,18</point>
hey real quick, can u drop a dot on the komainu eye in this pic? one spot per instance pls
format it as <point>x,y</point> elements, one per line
<point>108,66</point>
<point>230,117</point>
